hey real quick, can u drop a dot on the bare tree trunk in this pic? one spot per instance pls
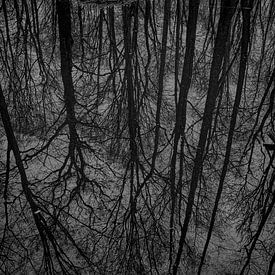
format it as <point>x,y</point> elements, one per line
<point>81,41</point>
<point>226,14</point>
<point>177,47</point>
<point>166,21</point>
<point>66,42</point>
<point>181,107</point>
<point>130,42</point>
<point>271,264</point>
<point>246,9</point>
<point>38,218</point>
<point>100,29</point>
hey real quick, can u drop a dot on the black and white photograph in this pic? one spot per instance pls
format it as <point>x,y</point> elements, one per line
<point>137,137</point>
